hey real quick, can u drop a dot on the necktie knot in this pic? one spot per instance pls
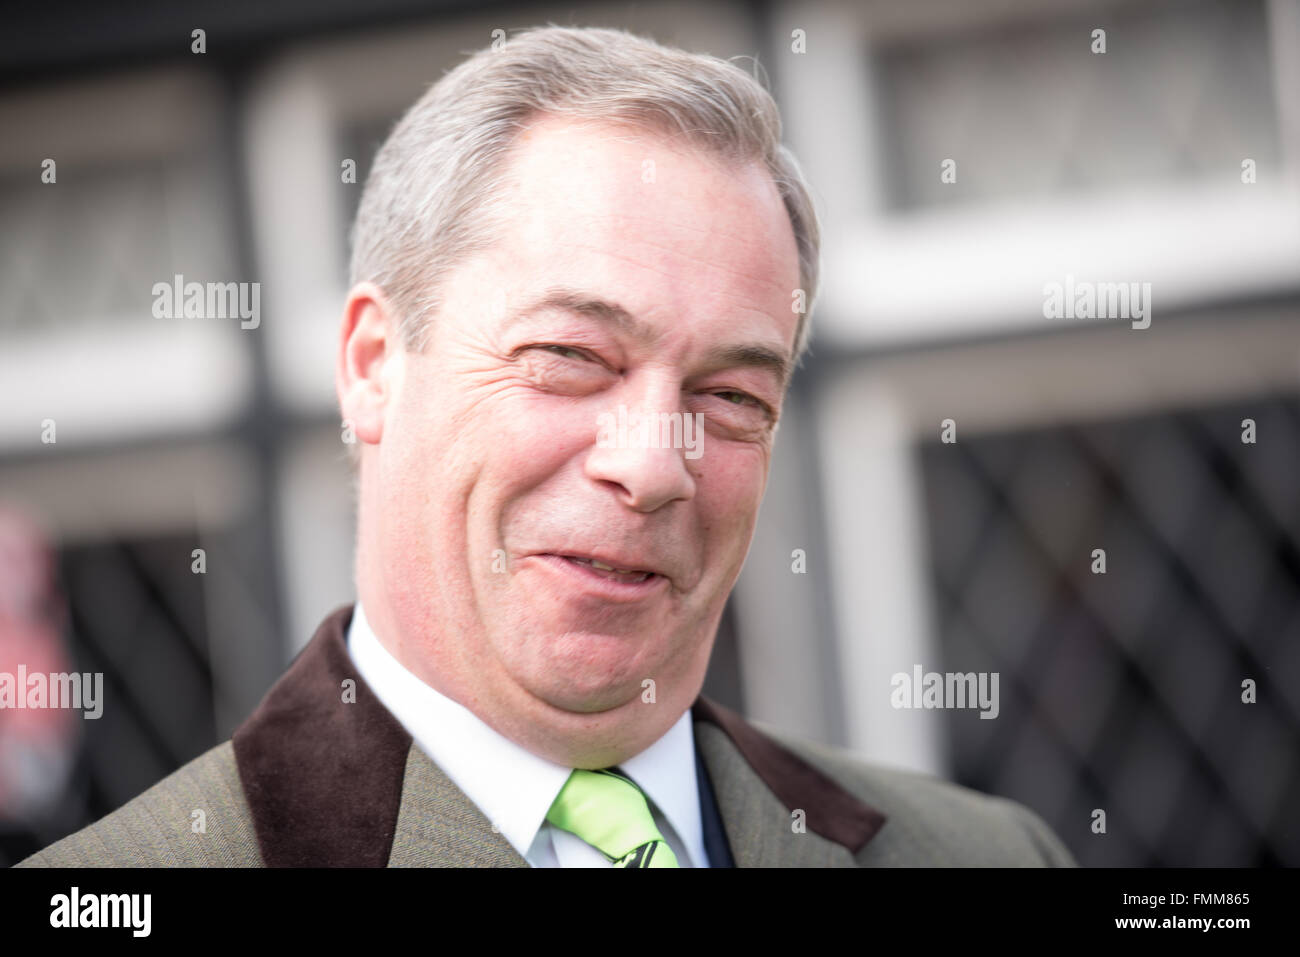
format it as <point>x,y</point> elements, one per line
<point>609,812</point>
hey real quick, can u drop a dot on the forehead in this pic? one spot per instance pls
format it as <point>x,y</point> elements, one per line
<point>667,229</point>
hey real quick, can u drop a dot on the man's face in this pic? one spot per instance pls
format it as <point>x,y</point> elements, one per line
<point>495,490</point>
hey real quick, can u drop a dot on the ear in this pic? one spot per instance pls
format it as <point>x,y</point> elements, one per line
<point>369,355</point>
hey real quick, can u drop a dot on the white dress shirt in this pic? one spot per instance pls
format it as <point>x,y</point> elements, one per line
<point>513,787</point>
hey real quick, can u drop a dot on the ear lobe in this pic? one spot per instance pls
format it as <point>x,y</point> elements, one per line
<point>369,342</point>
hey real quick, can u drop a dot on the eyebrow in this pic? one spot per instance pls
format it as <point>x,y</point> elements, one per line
<point>611,313</point>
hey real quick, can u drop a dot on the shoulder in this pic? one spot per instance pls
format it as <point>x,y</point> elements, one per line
<point>195,817</point>
<point>932,822</point>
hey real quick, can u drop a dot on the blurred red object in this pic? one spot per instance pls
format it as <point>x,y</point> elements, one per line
<point>36,744</point>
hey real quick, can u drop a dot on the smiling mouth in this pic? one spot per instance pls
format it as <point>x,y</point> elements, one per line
<point>630,576</point>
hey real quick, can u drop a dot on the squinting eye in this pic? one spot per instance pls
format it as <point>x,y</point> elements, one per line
<point>739,398</point>
<point>745,402</point>
<point>566,351</point>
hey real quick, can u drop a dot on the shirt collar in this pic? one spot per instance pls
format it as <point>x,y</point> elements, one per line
<point>513,787</point>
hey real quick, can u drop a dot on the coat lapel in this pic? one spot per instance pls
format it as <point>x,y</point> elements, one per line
<point>322,761</point>
<point>332,779</point>
<point>439,826</point>
<point>761,788</point>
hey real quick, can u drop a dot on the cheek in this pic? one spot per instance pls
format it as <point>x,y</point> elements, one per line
<point>427,473</point>
<point>523,452</point>
<point>730,489</point>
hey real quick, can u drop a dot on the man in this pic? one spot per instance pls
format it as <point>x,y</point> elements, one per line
<point>578,229</point>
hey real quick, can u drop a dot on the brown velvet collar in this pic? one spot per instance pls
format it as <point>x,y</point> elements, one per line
<point>323,774</point>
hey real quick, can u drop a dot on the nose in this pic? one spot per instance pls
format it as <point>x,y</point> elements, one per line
<point>640,451</point>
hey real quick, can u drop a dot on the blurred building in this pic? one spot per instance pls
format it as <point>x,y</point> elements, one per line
<point>965,156</point>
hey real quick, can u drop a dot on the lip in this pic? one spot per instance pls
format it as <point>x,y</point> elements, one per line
<point>592,581</point>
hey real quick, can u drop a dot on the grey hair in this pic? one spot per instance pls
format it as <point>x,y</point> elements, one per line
<point>435,194</point>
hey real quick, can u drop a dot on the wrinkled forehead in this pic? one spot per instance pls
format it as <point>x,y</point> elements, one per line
<point>663,223</point>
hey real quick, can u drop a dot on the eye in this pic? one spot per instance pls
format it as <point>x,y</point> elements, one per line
<point>568,352</point>
<point>741,407</point>
<point>739,398</point>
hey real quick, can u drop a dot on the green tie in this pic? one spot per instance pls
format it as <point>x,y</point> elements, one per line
<point>610,813</point>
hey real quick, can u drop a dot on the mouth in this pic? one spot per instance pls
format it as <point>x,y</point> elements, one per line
<point>629,576</point>
<point>606,576</point>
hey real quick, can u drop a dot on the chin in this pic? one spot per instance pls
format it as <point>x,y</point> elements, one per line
<point>587,694</point>
<point>559,664</point>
